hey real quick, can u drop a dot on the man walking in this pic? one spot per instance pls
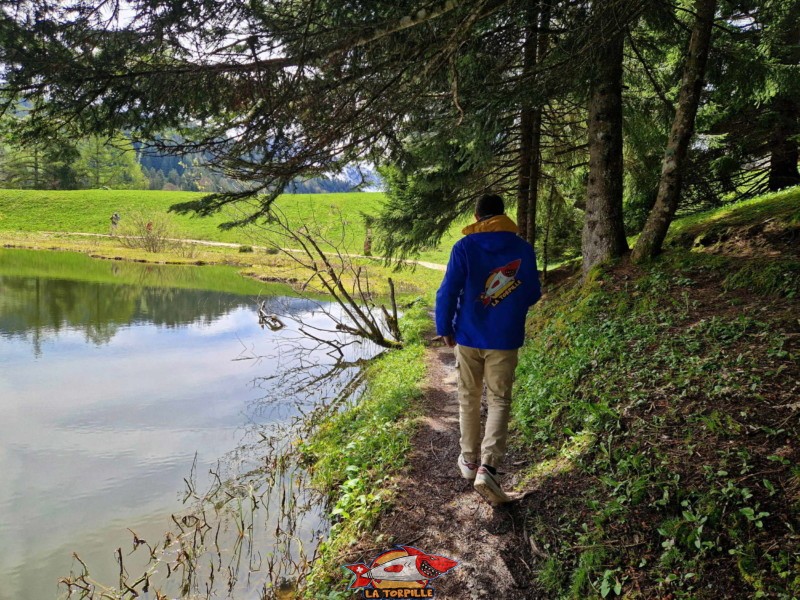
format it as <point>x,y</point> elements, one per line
<point>490,283</point>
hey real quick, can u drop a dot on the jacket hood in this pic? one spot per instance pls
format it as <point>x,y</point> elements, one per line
<point>494,234</point>
<point>492,224</point>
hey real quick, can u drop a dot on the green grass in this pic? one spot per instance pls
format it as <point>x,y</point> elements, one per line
<point>656,404</point>
<point>354,454</point>
<point>672,405</point>
<point>783,206</point>
<point>766,276</point>
<point>79,267</point>
<point>678,483</point>
<point>89,211</point>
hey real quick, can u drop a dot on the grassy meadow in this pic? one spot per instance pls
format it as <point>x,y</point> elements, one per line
<point>89,211</point>
<point>48,220</point>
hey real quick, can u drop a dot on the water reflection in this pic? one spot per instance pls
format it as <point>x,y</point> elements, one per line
<point>37,308</point>
<point>109,393</point>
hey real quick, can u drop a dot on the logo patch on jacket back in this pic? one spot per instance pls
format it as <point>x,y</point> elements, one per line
<point>500,283</point>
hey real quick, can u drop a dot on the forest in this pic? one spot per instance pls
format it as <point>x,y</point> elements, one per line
<point>116,163</point>
<point>598,120</point>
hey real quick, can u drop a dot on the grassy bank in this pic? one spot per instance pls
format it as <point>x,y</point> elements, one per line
<point>80,267</point>
<point>257,264</point>
<point>660,405</point>
<point>47,220</point>
<point>355,453</point>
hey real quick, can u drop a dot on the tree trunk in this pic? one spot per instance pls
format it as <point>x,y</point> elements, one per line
<point>36,168</point>
<point>524,177</point>
<point>530,165</point>
<point>546,242</point>
<point>603,230</point>
<point>786,108</point>
<point>535,173</point>
<point>783,149</point>
<point>669,187</point>
<point>536,129</point>
<point>526,156</point>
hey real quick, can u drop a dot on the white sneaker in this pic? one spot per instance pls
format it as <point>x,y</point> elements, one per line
<point>487,486</point>
<point>468,469</point>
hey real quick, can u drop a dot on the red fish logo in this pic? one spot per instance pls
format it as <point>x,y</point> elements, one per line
<point>500,283</point>
<point>405,568</point>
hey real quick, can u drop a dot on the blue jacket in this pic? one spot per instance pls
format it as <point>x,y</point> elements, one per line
<point>490,283</point>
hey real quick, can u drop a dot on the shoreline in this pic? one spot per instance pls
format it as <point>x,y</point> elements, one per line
<point>257,263</point>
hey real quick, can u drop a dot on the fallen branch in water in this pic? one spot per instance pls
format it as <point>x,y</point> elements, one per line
<point>337,273</point>
<point>271,320</point>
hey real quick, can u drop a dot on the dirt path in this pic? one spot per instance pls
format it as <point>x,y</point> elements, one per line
<point>439,512</point>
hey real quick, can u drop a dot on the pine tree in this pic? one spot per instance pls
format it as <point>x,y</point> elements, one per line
<point>669,188</point>
<point>754,112</point>
<point>109,163</point>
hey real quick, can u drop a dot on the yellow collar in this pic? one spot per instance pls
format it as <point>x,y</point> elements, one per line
<point>498,223</point>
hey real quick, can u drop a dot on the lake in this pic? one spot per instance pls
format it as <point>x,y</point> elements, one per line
<point>120,380</point>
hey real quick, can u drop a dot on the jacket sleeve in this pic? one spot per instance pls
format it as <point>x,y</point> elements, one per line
<point>453,284</point>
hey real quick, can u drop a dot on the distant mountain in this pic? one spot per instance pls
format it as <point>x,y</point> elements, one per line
<point>173,172</point>
<point>364,179</point>
<point>364,176</point>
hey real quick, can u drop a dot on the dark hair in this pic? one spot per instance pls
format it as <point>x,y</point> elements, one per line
<point>489,205</point>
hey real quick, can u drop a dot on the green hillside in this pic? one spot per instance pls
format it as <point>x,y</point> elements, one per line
<point>89,211</point>
<point>659,405</point>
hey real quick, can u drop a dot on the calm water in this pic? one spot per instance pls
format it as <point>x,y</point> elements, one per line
<point>109,392</point>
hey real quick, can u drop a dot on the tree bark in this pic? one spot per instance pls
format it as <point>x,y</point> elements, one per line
<point>546,241</point>
<point>535,173</point>
<point>530,167</point>
<point>536,128</point>
<point>603,230</point>
<point>526,157</point>
<point>524,177</point>
<point>669,187</point>
<point>783,148</point>
<point>783,142</point>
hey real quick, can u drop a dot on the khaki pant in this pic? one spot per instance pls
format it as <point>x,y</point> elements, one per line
<point>496,369</point>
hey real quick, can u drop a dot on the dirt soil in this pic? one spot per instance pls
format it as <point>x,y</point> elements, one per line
<point>439,512</point>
